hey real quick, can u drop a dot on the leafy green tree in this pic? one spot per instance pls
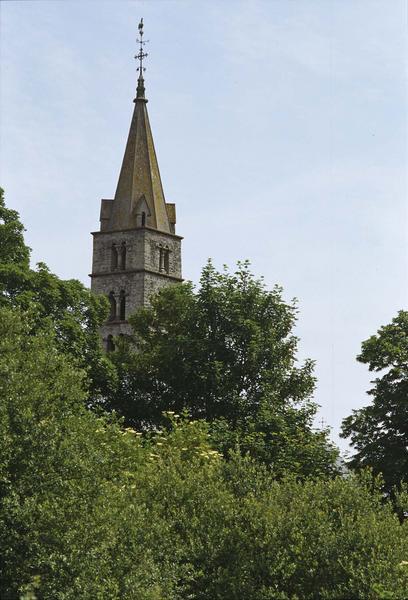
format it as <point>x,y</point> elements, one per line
<point>227,354</point>
<point>68,516</point>
<point>89,509</point>
<point>379,431</point>
<point>282,437</point>
<point>12,248</point>
<point>286,540</point>
<point>73,310</point>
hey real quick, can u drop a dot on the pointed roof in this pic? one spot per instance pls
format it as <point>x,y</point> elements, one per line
<point>139,182</point>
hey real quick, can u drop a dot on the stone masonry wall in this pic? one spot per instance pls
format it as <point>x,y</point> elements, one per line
<point>141,277</point>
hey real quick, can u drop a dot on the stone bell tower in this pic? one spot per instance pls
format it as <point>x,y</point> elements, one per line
<point>136,251</point>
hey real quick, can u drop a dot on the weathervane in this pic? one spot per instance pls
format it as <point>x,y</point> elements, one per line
<point>140,56</point>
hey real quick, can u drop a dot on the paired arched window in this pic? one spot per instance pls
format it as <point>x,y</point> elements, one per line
<point>114,312</point>
<point>118,256</point>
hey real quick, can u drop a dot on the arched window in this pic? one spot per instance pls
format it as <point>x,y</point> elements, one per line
<point>110,344</point>
<point>166,260</point>
<point>123,256</point>
<point>140,210</point>
<point>122,305</point>
<point>112,302</point>
<point>114,257</point>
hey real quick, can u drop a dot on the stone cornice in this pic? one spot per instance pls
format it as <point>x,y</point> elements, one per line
<point>165,233</point>
<point>125,272</point>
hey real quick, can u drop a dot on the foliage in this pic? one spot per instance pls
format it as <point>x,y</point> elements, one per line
<point>91,510</point>
<point>75,313</point>
<point>282,437</point>
<point>319,539</point>
<point>216,352</point>
<point>379,432</point>
<point>12,248</point>
<point>66,481</point>
<point>225,353</point>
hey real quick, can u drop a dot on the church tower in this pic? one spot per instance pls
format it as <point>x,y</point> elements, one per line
<point>136,251</point>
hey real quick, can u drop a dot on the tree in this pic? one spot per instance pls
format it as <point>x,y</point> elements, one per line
<point>12,248</point>
<point>227,354</point>
<point>75,313</point>
<point>89,509</point>
<point>379,432</point>
<point>64,517</point>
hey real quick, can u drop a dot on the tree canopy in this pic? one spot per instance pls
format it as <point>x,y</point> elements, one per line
<point>225,353</point>
<point>90,509</point>
<point>75,313</point>
<point>379,431</point>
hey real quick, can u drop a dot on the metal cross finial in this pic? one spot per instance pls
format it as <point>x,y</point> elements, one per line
<point>140,56</point>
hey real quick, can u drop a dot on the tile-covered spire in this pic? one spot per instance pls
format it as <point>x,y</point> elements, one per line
<point>139,200</point>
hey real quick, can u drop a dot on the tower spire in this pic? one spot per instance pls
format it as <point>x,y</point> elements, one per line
<point>136,252</point>
<point>140,92</point>
<point>139,190</point>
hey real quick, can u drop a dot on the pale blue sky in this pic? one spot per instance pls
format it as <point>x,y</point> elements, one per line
<point>281,133</point>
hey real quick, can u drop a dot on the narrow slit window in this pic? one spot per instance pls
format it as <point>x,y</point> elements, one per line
<point>114,257</point>
<point>112,302</point>
<point>122,306</point>
<point>167,260</point>
<point>123,256</point>
<point>143,219</point>
<point>161,258</point>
